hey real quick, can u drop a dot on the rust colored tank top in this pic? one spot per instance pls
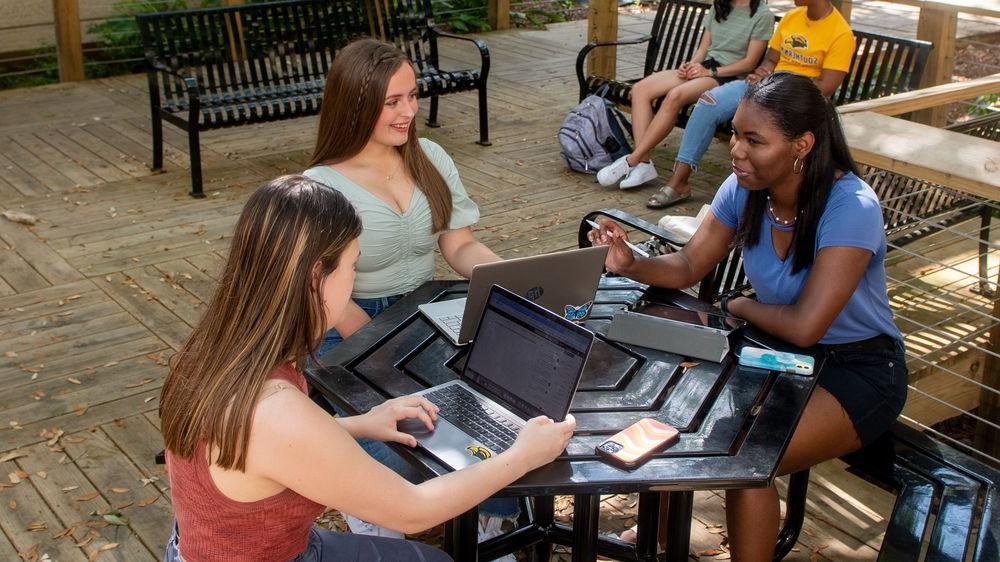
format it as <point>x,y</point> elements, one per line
<point>213,527</point>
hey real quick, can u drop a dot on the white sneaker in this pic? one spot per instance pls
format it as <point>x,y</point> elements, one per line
<point>639,174</point>
<point>489,527</point>
<point>359,527</point>
<point>610,174</point>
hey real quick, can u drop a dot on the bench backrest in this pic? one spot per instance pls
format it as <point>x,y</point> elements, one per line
<point>881,65</point>
<point>270,45</point>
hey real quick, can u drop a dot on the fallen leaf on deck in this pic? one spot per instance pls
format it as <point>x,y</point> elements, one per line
<point>119,490</point>
<point>42,474</point>
<point>10,354</point>
<point>123,505</point>
<point>710,552</point>
<point>88,497</point>
<point>690,364</point>
<point>148,501</point>
<point>69,488</point>
<point>37,526</point>
<point>12,504</point>
<point>150,399</point>
<point>75,439</point>
<point>148,481</point>
<point>80,410</point>
<point>140,383</point>
<point>20,218</point>
<point>85,541</point>
<point>116,519</point>
<point>65,532</point>
<point>12,455</point>
<point>108,546</point>
<point>73,380</point>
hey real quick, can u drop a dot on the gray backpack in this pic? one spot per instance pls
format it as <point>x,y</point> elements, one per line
<point>592,135</point>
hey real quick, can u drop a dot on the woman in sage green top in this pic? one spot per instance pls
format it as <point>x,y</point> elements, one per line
<point>410,199</point>
<point>406,189</point>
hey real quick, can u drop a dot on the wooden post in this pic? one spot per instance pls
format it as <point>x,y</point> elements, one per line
<point>602,26</point>
<point>844,7</point>
<point>940,27</point>
<point>69,49</point>
<point>987,439</point>
<point>498,14</point>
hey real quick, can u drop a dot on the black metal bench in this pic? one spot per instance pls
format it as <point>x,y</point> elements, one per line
<point>224,67</point>
<point>882,65</point>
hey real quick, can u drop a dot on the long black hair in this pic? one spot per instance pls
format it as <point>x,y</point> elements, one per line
<point>724,7</point>
<point>795,105</point>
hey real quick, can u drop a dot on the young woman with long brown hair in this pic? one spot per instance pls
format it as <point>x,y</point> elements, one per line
<point>252,461</point>
<point>411,201</point>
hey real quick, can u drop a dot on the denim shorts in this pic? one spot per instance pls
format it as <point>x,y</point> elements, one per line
<point>868,378</point>
<point>329,546</point>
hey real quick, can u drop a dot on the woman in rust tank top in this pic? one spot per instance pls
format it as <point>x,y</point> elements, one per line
<point>252,460</point>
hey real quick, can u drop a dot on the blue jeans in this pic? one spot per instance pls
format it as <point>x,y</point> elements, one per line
<point>328,546</point>
<point>506,508</point>
<point>706,118</point>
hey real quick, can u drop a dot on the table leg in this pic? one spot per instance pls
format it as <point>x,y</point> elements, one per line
<point>461,536</point>
<point>679,526</point>
<point>544,516</point>
<point>648,522</point>
<point>586,512</point>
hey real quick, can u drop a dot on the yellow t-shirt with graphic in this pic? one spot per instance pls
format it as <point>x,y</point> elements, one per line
<point>807,47</point>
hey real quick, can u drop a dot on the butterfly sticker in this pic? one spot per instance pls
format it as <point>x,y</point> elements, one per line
<point>578,313</point>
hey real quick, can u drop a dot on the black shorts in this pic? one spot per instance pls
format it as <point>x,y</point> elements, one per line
<point>868,378</point>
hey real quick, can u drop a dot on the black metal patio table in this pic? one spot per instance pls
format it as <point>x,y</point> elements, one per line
<point>735,422</point>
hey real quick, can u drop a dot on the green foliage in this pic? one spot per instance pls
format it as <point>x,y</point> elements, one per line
<point>463,16</point>
<point>985,105</point>
<point>120,34</point>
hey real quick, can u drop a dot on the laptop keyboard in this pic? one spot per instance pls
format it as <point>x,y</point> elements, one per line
<point>453,323</point>
<point>465,411</point>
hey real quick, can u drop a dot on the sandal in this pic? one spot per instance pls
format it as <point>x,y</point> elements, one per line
<point>665,197</point>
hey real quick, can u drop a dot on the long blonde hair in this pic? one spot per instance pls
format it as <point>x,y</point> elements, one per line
<point>352,103</point>
<point>267,311</point>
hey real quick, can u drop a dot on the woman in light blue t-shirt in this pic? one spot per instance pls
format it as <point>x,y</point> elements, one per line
<point>813,243</point>
<point>411,202</point>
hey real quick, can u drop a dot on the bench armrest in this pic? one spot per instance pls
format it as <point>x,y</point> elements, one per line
<point>582,57</point>
<point>484,51</point>
<point>190,82</point>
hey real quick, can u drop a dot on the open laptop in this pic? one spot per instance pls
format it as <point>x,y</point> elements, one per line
<point>563,282</point>
<point>525,361</point>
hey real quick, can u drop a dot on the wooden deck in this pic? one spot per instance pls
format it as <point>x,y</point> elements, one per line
<point>98,294</point>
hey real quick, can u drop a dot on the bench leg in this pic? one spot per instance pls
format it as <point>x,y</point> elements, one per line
<point>432,117</point>
<point>795,513</point>
<point>484,122</point>
<point>984,288</point>
<point>157,141</point>
<point>194,147</point>
<point>544,515</point>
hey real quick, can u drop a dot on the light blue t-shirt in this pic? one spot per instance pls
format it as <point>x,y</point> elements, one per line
<point>852,218</point>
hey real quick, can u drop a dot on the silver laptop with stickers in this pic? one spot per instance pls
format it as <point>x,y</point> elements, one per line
<point>563,282</point>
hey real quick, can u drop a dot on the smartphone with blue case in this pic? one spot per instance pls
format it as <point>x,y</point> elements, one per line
<point>781,361</point>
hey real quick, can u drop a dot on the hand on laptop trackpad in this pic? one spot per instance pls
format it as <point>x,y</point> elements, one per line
<point>412,426</point>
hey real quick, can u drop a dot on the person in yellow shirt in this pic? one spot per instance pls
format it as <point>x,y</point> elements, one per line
<point>812,39</point>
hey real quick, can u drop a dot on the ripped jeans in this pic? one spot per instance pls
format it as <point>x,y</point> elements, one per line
<point>714,108</point>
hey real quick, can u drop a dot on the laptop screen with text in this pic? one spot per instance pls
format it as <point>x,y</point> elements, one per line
<point>527,356</point>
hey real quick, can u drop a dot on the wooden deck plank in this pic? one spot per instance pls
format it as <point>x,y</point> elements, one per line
<point>42,168</point>
<point>190,278</point>
<point>140,441</point>
<point>58,159</point>
<point>40,303</point>
<point>210,264</point>
<point>51,398</point>
<point>114,158</point>
<point>46,262</point>
<point>25,183</point>
<point>72,512</point>
<point>18,273</point>
<point>105,465</point>
<point>33,510</point>
<point>150,312</point>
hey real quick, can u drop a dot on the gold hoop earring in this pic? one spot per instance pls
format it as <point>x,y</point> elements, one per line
<point>798,165</point>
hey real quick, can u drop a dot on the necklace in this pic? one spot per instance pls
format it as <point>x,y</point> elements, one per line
<point>389,176</point>
<point>770,211</point>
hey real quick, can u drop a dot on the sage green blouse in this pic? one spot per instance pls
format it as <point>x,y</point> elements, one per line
<point>397,250</point>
